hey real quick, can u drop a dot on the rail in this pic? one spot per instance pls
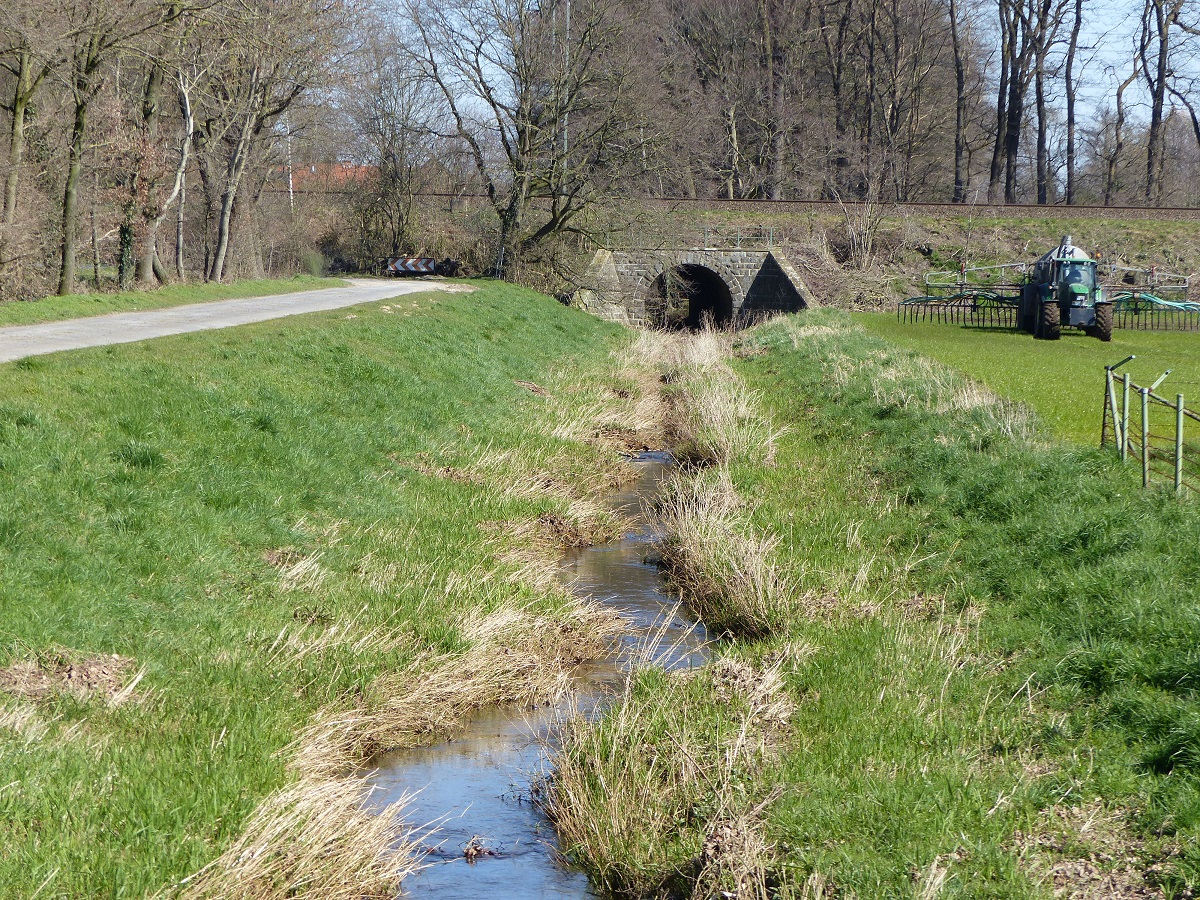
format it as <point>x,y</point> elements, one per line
<point>916,207</point>
<point>1162,435</point>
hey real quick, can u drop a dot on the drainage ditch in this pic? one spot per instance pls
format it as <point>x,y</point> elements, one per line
<point>492,840</point>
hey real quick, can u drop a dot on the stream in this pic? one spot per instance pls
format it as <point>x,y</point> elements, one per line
<point>476,787</point>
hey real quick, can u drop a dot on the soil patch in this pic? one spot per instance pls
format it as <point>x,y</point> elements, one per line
<point>1091,853</point>
<point>533,388</point>
<point>282,557</point>
<point>92,676</point>
<point>627,441</point>
<point>560,531</point>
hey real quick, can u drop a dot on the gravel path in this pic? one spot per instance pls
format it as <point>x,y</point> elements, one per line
<point>19,341</point>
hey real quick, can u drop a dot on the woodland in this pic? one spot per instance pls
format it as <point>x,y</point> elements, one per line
<point>147,141</point>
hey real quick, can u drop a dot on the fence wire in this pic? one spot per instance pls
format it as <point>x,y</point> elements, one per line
<point>1160,435</point>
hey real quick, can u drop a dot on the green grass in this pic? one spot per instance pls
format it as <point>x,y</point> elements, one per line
<point>141,487</point>
<point>1063,380</point>
<point>75,306</point>
<point>987,637</point>
<point>1052,569</point>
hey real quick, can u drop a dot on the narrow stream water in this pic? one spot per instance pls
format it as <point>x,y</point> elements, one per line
<point>476,787</point>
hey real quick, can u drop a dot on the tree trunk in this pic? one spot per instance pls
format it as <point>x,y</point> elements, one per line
<point>1156,14</point>
<point>95,242</point>
<point>126,264</point>
<point>179,221</point>
<point>1072,48</point>
<point>69,230</point>
<point>150,116</point>
<point>150,266</point>
<point>961,175</point>
<point>774,98</point>
<point>1008,39</point>
<point>1110,167</point>
<point>22,93</point>
<point>1012,128</point>
<point>1043,152</point>
<point>735,158</point>
<point>233,177</point>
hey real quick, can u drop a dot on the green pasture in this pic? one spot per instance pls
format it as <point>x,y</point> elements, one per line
<point>1063,380</point>
<point>75,306</point>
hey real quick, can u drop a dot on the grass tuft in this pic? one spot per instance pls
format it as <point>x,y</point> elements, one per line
<point>312,839</point>
<point>512,656</point>
<point>724,570</point>
<point>651,799</point>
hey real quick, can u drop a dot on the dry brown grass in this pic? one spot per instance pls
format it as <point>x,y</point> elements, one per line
<point>512,656</point>
<point>24,720</point>
<point>722,422</point>
<point>314,838</point>
<point>723,569</point>
<point>707,413</point>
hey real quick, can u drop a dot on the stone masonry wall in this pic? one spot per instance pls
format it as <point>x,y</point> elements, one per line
<point>618,283</point>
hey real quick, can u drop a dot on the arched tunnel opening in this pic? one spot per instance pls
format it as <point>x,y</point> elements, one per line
<point>691,295</point>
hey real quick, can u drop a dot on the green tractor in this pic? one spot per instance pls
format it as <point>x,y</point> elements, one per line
<point>1061,289</point>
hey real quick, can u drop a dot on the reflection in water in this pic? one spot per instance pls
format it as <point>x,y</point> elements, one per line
<point>476,787</point>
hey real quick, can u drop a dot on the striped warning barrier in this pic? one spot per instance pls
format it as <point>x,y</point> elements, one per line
<point>413,265</point>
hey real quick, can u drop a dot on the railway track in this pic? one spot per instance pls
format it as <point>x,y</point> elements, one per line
<point>915,209</point>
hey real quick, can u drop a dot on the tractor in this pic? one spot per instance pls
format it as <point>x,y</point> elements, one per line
<point>1061,289</point>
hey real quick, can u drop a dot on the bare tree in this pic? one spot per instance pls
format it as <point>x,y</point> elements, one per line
<point>28,73</point>
<point>959,43</point>
<point>265,55</point>
<point>97,31</point>
<point>1045,20</point>
<point>1162,22</point>
<point>545,98</point>
<point>1069,79</point>
<point>393,116</point>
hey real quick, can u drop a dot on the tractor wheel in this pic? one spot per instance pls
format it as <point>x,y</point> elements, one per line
<point>1104,321</point>
<point>1049,327</point>
<point>1026,318</point>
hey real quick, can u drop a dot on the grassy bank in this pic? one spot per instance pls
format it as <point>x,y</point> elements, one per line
<point>75,306</point>
<point>979,681</point>
<point>1063,380</point>
<point>235,564</point>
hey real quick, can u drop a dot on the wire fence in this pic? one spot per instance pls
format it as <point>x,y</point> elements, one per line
<point>1159,434</point>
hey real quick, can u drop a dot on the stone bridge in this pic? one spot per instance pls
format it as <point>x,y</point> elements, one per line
<point>681,288</point>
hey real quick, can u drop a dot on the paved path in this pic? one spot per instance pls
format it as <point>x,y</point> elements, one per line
<point>19,341</point>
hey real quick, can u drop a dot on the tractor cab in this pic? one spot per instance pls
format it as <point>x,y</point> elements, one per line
<point>1078,279</point>
<point>1061,289</point>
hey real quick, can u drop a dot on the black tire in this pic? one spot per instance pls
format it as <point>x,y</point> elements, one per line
<point>1026,318</point>
<point>1104,321</point>
<point>1049,326</point>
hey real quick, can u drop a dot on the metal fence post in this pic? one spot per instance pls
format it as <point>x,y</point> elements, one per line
<point>1145,437</point>
<point>1125,419</point>
<point>1110,408</point>
<point>1178,443</point>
